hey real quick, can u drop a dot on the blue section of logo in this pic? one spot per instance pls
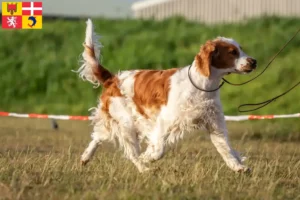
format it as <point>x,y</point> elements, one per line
<point>33,19</point>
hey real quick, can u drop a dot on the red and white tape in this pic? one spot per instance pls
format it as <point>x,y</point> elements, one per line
<point>43,116</point>
<point>84,118</point>
<point>256,117</point>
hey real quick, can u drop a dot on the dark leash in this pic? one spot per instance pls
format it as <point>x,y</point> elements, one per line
<point>194,84</point>
<point>282,48</point>
<point>261,104</point>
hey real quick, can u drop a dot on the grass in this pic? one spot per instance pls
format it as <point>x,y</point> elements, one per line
<point>39,163</point>
<point>36,65</point>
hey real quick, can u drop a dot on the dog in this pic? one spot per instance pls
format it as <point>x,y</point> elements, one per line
<point>160,106</point>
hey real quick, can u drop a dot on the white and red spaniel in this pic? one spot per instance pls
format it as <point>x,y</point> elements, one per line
<point>160,106</point>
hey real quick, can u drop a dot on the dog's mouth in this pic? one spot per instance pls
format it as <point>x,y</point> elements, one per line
<point>248,70</point>
<point>244,71</point>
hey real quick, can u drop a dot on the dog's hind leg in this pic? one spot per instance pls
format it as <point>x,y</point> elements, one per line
<point>98,136</point>
<point>127,133</point>
<point>89,151</point>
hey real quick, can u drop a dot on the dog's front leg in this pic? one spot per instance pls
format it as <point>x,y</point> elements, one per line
<point>219,137</point>
<point>156,141</point>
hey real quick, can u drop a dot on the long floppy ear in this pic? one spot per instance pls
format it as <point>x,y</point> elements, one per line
<point>204,57</point>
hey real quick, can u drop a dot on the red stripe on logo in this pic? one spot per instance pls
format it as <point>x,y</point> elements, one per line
<point>38,12</point>
<point>25,12</point>
<point>11,22</point>
<point>26,4</point>
<point>38,4</point>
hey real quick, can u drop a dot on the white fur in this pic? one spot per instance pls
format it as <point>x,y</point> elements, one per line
<point>188,109</point>
<point>92,41</point>
<point>239,63</point>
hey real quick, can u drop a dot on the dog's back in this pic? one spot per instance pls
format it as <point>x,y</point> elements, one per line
<point>162,105</point>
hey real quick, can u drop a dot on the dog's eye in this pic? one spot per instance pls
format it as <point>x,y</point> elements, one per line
<point>233,52</point>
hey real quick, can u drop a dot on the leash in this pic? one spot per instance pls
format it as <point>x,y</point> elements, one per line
<point>261,104</point>
<point>194,84</point>
<point>283,47</point>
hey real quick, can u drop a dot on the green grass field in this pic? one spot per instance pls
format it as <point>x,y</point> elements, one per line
<point>39,163</point>
<point>36,65</point>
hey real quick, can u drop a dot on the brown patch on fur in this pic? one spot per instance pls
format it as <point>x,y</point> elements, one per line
<point>204,57</point>
<point>219,54</point>
<point>109,81</point>
<point>151,89</point>
<point>225,56</point>
<point>102,74</point>
<point>112,90</point>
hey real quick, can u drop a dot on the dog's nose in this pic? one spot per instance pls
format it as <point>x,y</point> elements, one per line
<point>252,62</point>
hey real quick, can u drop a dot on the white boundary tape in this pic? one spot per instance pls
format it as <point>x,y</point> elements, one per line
<point>84,118</point>
<point>43,116</point>
<point>256,117</point>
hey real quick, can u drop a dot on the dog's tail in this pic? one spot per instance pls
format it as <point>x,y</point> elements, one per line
<point>91,69</point>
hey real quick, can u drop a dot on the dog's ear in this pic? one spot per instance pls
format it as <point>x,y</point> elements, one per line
<point>204,57</point>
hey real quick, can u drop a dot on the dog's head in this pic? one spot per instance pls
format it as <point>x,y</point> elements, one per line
<point>223,56</point>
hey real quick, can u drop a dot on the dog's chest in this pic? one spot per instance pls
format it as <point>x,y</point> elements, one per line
<point>194,116</point>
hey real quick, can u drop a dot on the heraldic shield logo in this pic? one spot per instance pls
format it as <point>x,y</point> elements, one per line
<point>22,15</point>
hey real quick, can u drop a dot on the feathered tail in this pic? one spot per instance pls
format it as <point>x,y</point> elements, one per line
<point>91,69</point>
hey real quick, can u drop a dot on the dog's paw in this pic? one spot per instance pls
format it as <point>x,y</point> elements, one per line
<point>145,158</point>
<point>152,170</point>
<point>144,169</point>
<point>84,162</point>
<point>243,169</point>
